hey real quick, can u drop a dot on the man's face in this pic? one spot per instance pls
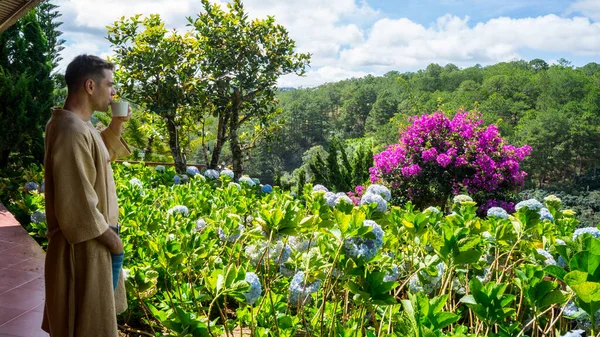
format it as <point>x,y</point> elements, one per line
<point>103,96</point>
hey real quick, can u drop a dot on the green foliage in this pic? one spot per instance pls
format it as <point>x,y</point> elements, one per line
<point>28,54</point>
<point>240,81</point>
<point>435,274</point>
<point>552,108</point>
<point>157,70</point>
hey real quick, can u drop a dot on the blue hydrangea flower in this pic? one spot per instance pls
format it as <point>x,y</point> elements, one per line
<point>38,217</point>
<point>497,212</point>
<point>247,180</point>
<point>330,199</point>
<point>160,168</point>
<point>368,198</point>
<point>233,237</point>
<point>320,187</point>
<point>574,333</point>
<point>300,290</point>
<point>255,289</point>
<point>137,183</point>
<point>267,188</point>
<point>43,186</point>
<point>562,263</point>
<point>256,181</point>
<point>179,209</point>
<point>212,174</point>
<point>593,231</point>
<point>546,215</point>
<point>176,180</point>
<point>572,311</point>
<point>432,210</point>
<point>549,258</point>
<point>459,199</point>
<point>227,172</point>
<point>192,170</point>
<point>200,225</point>
<point>532,204</point>
<point>393,276</point>
<point>358,247</point>
<point>430,283</point>
<point>380,190</point>
<point>236,185</point>
<point>30,186</point>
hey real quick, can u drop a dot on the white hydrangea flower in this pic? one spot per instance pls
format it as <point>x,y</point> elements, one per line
<point>497,212</point>
<point>160,168</point>
<point>553,199</point>
<point>179,209</point>
<point>532,204</point>
<point>380,190</point>
<point>345,199</point>
<point>432,210</point>
<point>227,172</point>
<point>247,180</point>
<point>459,199</point>
<point>319,187</point>
<point>200,225</point>
<point>236,185</point>
<point>137,183</point>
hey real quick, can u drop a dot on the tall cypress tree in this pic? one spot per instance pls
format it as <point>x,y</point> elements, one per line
<point>29,51</point>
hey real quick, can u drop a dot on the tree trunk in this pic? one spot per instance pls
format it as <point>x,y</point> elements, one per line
<point>180,164</point>
<point>236,149</point>
<point>148,149</point>
<point>234,140</point>
<point>221,133</point>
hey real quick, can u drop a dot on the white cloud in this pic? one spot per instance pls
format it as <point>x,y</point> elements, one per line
<point>349,38</point>
<point>589,8</point>
<point>403,44</point>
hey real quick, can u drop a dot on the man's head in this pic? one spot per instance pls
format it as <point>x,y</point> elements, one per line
<point>91,78</point>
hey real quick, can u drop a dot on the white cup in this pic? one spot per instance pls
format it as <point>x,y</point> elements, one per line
<point>119,109</point>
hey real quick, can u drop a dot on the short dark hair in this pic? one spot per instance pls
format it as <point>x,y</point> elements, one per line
<point>84,67</point>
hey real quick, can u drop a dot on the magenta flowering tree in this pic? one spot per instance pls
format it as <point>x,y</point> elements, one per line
<point>437,157</point>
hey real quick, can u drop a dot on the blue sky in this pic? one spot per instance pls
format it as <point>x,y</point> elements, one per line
<point>353,38</point>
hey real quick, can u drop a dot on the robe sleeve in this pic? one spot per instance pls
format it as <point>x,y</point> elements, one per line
<point>74,174</point>
<point>116,146</point>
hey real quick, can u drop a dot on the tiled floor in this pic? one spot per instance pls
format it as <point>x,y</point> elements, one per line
<point>21,280</point>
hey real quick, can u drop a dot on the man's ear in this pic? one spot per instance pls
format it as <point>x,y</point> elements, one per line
<point>89,86</point>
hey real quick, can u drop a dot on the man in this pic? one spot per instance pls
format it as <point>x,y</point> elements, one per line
<point>81,204</point>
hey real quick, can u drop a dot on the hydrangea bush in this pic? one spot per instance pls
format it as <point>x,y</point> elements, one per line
<point>206,259</point>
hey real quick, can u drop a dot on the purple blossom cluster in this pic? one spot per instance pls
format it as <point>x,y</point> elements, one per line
<point>475,157</point>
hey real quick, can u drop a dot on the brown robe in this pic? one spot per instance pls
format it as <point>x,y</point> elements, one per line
<point>81,202</point>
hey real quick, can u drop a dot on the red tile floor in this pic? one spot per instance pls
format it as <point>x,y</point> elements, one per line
<point>21,280</point>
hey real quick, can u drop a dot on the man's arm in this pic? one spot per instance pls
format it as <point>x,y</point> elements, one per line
<point>112,241</point>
